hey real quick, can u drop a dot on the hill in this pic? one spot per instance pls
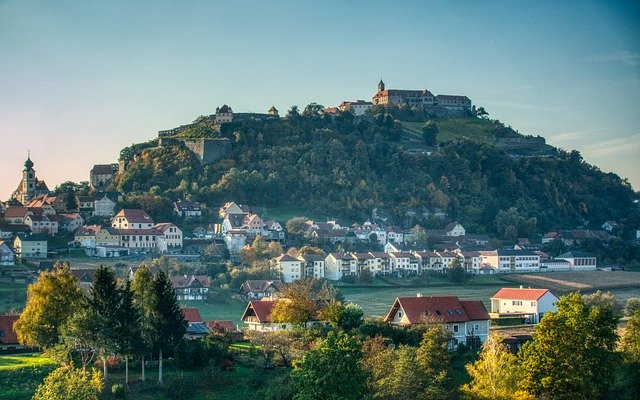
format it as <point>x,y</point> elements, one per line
<point>482,173</point>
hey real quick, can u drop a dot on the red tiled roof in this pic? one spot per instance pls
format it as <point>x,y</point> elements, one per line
<point>260,309</point>
<point>285,257</point>
<point>15,212</point>
<point>7,334</point>
<point>191,314</point>
<point>443,308</point>
<point>224,326</point>
<point>134,215</point>
<point>520,294</point>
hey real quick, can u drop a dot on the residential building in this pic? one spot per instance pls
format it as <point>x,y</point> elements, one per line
<point>226,328</point>
<point>187,209</point>
<point>132,219</point>
<point>258,289</point>
<point>104,206</point>
<point>381,263</point>
<point>337,265</point>
<point>8,336</point>
<point>231,208</point>
<point>85,236</point>
<point>580,261</point>
<point>190,287</point>
<point>312,265</point>
<point>196,328</point>
<point>70,222</point>
<point>6,254</point>
<point>288,268</point>
<point>468,320</point>
<point>454,229</point>
<point>30,246</point>
<point>609,226</point>
<point>531,304</point>
<point>257,316</point>
<point>404,262</point>
<point>170,237</point>
<point>42,223</point>
<point>87,205</point>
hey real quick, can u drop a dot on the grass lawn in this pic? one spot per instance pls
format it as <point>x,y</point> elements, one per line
<point>12,296</point>
<point>20,374</point>
<point>285,213</point>
<point>231,310</point>
<point>376,301</point>
<point>475,129</point>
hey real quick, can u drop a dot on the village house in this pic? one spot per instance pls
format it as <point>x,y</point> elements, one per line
<point>257,316</point>
<point>232,208</point>
<point>468,320</point>
<point>404,263</point>
<point>454,229</point>
<point>190,287</point>
<point>85,236</point>
<point>6,254</point>
<point>530,304</point>
<point>70,222</point>
<point>187,209</point>
<point>42,223</point>
<point>312,265</point>
<point>226,328</point>
<point>170,237</point>
<point>196,328</point>
<point>609,226</point>
<point>104,205</point>
<point>258,289</point>
<point>381,263</point>
<point>8,336</point>
<point>132,219</point>
<point>30,246</point>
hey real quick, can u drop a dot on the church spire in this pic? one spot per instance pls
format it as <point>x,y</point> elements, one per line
<point>28,164</point>
<point>380,86</point>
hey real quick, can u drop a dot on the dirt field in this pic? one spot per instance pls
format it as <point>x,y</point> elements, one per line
<point>586,281</point>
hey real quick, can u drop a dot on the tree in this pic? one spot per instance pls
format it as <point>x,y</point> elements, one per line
<point>572,354</point>
<point>51,301</point>
<point>80,335</point>
<point>168,323</point>
<point>331,370</point>
<point>434,360</point>
<point>631,306</point>
<point>104,302</point>
<point>71,200</point>
<point>68,383</point>
<point>143,301</point>
<point>605,300</point>
<point>343,316</point>
<point>495,375</point>
<point>457,273</point>
<point>128,326</point>
<point>631,354</point>
<point>296,226</point>
<point>430,133</point>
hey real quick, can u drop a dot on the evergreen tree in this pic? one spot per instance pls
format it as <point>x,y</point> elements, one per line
<point>168,324</point>
<point>128,327</point>
<point>104,301</point>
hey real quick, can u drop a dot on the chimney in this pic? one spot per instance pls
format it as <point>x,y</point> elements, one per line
<point>418,294</point>
<point>521,287</point>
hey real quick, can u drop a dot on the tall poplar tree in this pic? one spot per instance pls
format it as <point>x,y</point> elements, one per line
<point>143,302</point>
<point>128,326</point>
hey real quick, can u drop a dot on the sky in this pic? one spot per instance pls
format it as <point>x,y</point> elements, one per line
<point>81,80</point>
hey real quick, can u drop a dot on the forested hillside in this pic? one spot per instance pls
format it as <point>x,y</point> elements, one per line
<point>346,166</point>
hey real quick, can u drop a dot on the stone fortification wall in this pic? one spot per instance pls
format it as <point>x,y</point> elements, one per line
<point>207,150</point>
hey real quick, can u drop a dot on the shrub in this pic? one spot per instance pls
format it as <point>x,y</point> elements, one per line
<point>118,391</point>
<point>68,383</point>
<point>180,388</point>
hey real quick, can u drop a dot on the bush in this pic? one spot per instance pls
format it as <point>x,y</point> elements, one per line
<point>349,279</point>
<point>180,388</point>
<point>68,383</point>
<point>118,391</point>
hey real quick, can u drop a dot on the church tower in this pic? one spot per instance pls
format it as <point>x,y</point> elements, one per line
<point>28,182</point>
<point>380,86</point>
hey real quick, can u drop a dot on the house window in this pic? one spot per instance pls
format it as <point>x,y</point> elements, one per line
<point>455,329</point>
<point>399,314</point>
<point>533,304</point>
<point>476,327</point>
<point>516,303</point>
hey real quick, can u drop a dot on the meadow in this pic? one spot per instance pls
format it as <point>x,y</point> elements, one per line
<point>20,374</point>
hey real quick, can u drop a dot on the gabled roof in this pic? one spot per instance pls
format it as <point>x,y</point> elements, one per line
<point>442,308</point>
<point>183,205</point>
<point>222,326</point>
<point>134,215</point>
<point>260,285</point>
<point>520,294</point>
<point>7,334</point>
<point>259,309</point>
<point>102,169</point>
<point>32,238</point>
<point>191,314</point>
<point>341,256</point>
<point>512,252</point>
<point>285,257</point>
<point>186,281</point>
<point>16,212</point>
<point>312,257</point>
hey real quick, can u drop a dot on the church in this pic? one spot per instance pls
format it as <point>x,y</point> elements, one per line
<point>30,186</point>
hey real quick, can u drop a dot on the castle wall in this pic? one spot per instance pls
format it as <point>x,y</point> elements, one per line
<point>207,150</point>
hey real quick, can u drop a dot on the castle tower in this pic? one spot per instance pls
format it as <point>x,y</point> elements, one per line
<point>380,86</point>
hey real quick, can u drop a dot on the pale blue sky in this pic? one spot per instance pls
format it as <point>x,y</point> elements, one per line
<point>80,80</point>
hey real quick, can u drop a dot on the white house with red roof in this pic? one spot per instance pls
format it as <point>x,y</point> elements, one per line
<point>257,316</point>
<point>468,320</point>
<point>132,219</point>
<point>527,303</point>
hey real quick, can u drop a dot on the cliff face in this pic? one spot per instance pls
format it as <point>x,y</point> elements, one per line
<point>207,150</point>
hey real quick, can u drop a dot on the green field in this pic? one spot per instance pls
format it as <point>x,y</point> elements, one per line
<point>376,301</point>
<point>230,310</point>
<point>475,129</point>
<point>13,296</point>
<point>283,214</point>
<point>21,374</point>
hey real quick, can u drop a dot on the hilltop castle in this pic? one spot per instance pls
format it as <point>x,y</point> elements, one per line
<point>420,98</point>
